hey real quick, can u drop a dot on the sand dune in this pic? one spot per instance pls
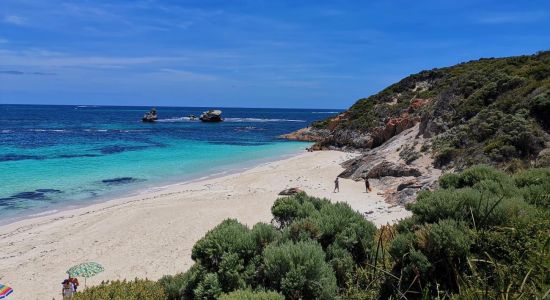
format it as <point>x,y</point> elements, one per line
<point>152,234</point>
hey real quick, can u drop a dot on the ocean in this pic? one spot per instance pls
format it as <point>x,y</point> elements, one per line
<point>57,157</point>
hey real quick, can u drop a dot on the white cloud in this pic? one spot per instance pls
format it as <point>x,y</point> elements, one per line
<point>187,75</point>
<point>510,17</point>
<point>15,20</point>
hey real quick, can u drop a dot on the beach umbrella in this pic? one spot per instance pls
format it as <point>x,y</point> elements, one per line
<point>5,291</point>
<point>86,270</point>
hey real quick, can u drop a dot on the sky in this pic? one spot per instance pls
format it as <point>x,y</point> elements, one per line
<point>296,54</point>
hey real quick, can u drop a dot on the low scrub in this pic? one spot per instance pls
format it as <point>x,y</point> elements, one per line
<point>484,234</point>
<point>127,290</point>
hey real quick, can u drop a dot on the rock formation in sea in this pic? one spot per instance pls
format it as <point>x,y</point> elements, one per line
<point>214,115</point>
<point>151,116</point>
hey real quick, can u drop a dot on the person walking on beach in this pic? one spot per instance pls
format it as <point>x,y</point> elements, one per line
<point>336,185</point>
<point>367,185</point>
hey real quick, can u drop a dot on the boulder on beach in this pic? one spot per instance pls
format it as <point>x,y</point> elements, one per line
<point>214,115</point>
<point>291,191</point>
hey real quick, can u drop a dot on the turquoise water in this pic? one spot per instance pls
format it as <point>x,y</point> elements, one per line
<point>48,163</point>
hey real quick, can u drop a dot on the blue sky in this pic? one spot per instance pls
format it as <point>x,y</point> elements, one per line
<point>322,54</point>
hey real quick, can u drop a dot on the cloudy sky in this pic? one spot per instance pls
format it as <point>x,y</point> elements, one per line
<point>322,54</point>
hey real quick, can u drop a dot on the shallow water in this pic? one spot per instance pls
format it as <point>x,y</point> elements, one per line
<point>56,156</point>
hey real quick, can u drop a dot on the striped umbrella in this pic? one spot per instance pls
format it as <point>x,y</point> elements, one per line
<point>86,270</point>
<point>5,291</point>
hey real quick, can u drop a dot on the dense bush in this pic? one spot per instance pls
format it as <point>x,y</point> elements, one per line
<point>250,295</point>
<point>299,271</point>
<point>123,290</point>
<point>483,234</point>
<point>310,255</point>
<point>483,230</point>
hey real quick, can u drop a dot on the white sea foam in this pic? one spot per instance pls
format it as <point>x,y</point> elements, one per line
<point>48,130</point>
<point>48,212</point>
<point>259,120</point>
<point>325,112</point>
<point>6,131</point>
<point>233,120</point>
<point>172,120</point>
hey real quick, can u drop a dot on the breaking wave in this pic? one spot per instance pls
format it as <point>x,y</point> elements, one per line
<point>174,120</point>
<point>259,120</point>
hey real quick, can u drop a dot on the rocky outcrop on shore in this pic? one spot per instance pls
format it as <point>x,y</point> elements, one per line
<point>398,180</point>
<point>352,139</point>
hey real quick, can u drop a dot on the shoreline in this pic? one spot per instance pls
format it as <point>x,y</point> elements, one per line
<point>151,234</point>
<point>149,187</point>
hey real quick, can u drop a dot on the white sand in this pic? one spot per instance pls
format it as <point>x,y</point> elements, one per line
<point>152,234</point>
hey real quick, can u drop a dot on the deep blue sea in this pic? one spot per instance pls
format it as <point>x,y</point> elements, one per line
<point>56,157</point>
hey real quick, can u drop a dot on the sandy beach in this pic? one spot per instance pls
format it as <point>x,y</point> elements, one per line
<point>152,234</point>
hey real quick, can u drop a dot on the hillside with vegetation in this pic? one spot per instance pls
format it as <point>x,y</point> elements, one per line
<point>493,111</point>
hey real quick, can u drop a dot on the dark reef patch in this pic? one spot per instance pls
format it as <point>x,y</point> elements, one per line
<point>30,195</point>
<point>77,155</point>
<point>48,191</point>
<point>38,194</point>
<point>120,180</point>
<point>15,157</point>
<point>119,149</point>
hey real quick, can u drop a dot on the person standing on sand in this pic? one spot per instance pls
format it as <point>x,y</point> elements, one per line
<point>336,185</point>
<point>367,185</point>
<point>74,282</point>
<point>67,292</point>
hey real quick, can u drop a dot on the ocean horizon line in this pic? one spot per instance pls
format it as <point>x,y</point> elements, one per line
<point>169,106</point>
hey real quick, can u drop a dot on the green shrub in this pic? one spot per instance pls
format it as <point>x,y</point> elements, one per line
<point>471,176</point>
<point>535,186</point>
<point>209,288</point>
<point>444,156</point>
<point>228,237</point>
<point>173,284</point>
<point>342,263</point>
<point>188,283</point>
<point>250,295</point>
<point>231,274</point>
<point>304,229</point>
<point>123,290</point>
<point>287,209</point>
<point>409,154</point>
<point>263,234</point>
<point>345,227</point>
<point>433,255</point>
<point>299,270</point>
<point>543,159</point>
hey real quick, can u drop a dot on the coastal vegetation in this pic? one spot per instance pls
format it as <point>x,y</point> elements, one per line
<point>490,111</point>
<point>484,234</point>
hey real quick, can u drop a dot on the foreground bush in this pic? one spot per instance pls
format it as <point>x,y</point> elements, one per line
<point>250,295</point>
<point>299,270</point>
<point>483,235</point>
<point>310,254</point>
<point>123,290</point>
